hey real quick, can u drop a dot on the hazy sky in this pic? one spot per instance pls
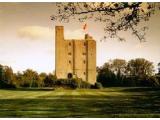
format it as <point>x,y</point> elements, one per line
<point>27,38</point>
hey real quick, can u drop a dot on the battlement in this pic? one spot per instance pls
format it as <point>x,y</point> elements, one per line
<point>88,37</point>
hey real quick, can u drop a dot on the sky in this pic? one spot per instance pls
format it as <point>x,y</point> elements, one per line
<point>27,38</point>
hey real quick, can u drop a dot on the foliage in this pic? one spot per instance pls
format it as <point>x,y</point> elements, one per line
<point>118,66</point>
<point>6,85</point>
<point>85,85</point>
<point>117,72</point>
<point>112,73</point>
<point>30,78</point>
<point>6,77</point>
<point>19,79</point>
<point>105,76</point>
<point>117,16</point>
<point>153,82</point>
<point>136,72</point>
<point>129,81</point>
<point>42,77</point>
<point>140,67</point>
<point>71,83</point>
<point>158,77</point>
<point>49,80</point>
<point>98,85</point>
<point>1,72</point>
<point>159,68</point>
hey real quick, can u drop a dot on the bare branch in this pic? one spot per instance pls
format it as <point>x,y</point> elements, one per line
<point>116,16</point>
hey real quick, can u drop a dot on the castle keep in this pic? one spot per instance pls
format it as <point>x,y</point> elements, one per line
<point>75,58</point>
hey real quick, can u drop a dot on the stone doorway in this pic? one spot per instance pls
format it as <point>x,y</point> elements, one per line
<point>70,76</point>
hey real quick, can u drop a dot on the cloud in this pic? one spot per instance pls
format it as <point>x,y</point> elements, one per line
<point>35,32</point>
<point>0,16</point>
<point>7,62</point>
<point>75,34</point>
<point>40,32</point>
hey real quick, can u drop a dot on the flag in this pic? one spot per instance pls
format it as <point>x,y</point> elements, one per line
<point>85,26</point>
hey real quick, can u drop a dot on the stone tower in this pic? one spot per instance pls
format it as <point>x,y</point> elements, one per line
<point>75,57</point>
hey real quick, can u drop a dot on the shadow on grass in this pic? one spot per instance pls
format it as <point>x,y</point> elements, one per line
<point>138,102</point>
<point>82,106</point>
<point>141,89</point>
<point>29,89</point>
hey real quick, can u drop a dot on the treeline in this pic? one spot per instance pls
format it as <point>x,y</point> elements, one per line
<point>28,78</point>
<point>136,72</point>
<point>31,79</point>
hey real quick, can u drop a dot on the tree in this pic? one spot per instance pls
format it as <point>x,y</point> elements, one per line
<point>105,76</point>
<point>118,66</point>
<point>117,17</point>
<point>1,72</point>
<point>136,72</point>
<point>20,79</point>
<point>8,75</point>
<point>30,78</point>
<point>112,73</point>
<point>158,68</point>
<point>42,77</point>
<point>140,67</point>
<point>49,80</point>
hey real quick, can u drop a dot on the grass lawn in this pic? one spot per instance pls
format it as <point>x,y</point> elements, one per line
<point>109,102</point>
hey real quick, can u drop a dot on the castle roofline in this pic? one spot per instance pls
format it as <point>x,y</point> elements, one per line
<point>59,26</point>
<point>87,36</point>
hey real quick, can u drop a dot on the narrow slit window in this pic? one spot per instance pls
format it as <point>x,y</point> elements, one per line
<point>69,53</point>
<point>83,53</point>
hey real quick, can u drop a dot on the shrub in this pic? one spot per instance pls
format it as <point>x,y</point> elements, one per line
<point>25,85</point>
<point>50,80</point>
<point>153,81</point>
<point>129,82</point>
<point>98,85</point>
<point>71,83</point>
<point>158,77</point>
<point>6,85</point>
<point>82,84</point>
<point>74,83</point>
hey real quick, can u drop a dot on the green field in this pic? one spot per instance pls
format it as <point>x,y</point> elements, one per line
<point>109,102</point>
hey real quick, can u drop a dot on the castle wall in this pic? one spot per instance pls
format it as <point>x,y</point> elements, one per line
<point>60,53</point>
<point>69,56</point>
<point>77,57</point>
<point>80,59</point>
<point>91,61</point>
